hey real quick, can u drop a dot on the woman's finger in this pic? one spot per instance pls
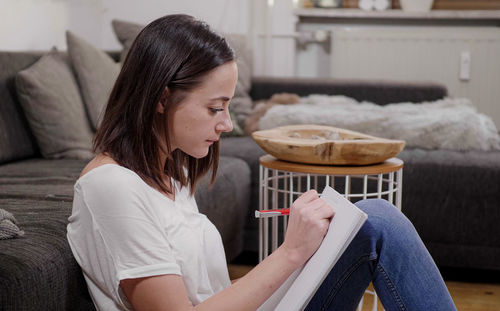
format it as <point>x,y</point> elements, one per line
<point>321,208</point>
<point>307,197</point>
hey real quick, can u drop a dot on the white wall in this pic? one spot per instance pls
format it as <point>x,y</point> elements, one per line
<point>31,24</point>
<point>41,24</point>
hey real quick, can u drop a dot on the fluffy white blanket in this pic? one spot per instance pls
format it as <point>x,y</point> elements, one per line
<point>443,124</point>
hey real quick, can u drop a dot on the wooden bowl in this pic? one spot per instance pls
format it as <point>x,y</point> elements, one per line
<point>319,144</point>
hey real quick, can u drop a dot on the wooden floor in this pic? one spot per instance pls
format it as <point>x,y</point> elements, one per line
<point>467,296</point>
<point>470,292</point>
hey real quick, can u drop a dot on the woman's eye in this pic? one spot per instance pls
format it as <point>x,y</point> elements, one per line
<point>215,110</point>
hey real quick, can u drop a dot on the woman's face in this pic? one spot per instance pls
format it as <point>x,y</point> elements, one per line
<point>198,120</point>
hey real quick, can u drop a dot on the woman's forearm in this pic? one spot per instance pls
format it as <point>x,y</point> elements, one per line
<point>253,289</point>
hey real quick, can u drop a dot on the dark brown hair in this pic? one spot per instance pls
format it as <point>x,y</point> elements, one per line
<point>174,52</point>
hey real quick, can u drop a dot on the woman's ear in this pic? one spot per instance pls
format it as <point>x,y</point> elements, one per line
<point>161,106</point>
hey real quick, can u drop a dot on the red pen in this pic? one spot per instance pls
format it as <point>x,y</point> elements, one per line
<point>272,212</point>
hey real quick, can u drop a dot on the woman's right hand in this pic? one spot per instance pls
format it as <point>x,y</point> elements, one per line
<point>308,224</point>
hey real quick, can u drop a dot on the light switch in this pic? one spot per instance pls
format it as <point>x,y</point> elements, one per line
<point>465,60</point>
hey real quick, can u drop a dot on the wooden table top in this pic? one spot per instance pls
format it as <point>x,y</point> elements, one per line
<point>389,165</point>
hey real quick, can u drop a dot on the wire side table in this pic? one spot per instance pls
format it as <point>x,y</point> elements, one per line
<point>281,182</point>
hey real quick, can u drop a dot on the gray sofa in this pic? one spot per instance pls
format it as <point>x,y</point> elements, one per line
<point>451,197</point>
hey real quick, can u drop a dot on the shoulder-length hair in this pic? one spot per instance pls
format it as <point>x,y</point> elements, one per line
<point>174,52</point>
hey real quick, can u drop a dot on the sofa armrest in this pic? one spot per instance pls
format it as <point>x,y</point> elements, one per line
<point>377,91</point>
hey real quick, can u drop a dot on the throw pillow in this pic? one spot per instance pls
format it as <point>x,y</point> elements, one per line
<point>96,73</point>
<point>126,33</point>
<point>49,96</point>
<point>8,226</point>
<point>243,59</point>
<point>241,105</point>
<point>237,131</point>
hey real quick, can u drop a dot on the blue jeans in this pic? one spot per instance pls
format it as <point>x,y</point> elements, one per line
<point>388,252</point>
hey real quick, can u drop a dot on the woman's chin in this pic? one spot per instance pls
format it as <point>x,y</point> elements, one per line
<point>198,154</point>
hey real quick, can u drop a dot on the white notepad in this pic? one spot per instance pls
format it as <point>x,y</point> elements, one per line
<point>301,286</point>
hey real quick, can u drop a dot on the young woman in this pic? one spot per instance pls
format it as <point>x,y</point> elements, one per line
<point>135,229</point>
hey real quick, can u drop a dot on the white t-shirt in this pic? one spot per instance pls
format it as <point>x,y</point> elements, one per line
<point>123,228</point>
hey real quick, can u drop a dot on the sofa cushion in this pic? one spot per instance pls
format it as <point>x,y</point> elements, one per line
<point>439,185</point>
<point>50,98</point>
<point>40,179</point>
<point>16,140</point>
<point>237,130</point>
<point>96,73</point>
<point>226,202</point>
<point>452,198</point>
<point>61,169</point>
<point>241,104</point>
<point>244,59</point>
<point>246,149</point>
<point>38,271</point>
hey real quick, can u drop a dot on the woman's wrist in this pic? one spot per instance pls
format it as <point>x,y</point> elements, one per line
<point>289,256</point>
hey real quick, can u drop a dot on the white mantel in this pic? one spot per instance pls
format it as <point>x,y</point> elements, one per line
<point>477,15</point>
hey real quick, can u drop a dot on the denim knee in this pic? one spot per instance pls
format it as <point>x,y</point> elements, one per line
<point>385,219</point>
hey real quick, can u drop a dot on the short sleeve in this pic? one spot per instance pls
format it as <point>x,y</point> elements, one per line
<point>114,232</point>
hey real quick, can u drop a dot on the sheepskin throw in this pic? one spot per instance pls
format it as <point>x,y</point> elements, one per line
<point>443,124</point>
<point>8,228</point>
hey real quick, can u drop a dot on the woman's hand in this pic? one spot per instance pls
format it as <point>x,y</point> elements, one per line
<point>307,226</point>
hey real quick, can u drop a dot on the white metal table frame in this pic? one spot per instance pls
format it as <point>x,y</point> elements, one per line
<point>388,187</point>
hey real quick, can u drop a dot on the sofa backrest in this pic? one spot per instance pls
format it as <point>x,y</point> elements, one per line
<point>16,140</point>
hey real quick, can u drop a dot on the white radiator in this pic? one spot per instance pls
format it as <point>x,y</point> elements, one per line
<point>466,60</point>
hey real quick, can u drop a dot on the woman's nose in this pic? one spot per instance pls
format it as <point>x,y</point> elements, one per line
<point>225,125</point>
